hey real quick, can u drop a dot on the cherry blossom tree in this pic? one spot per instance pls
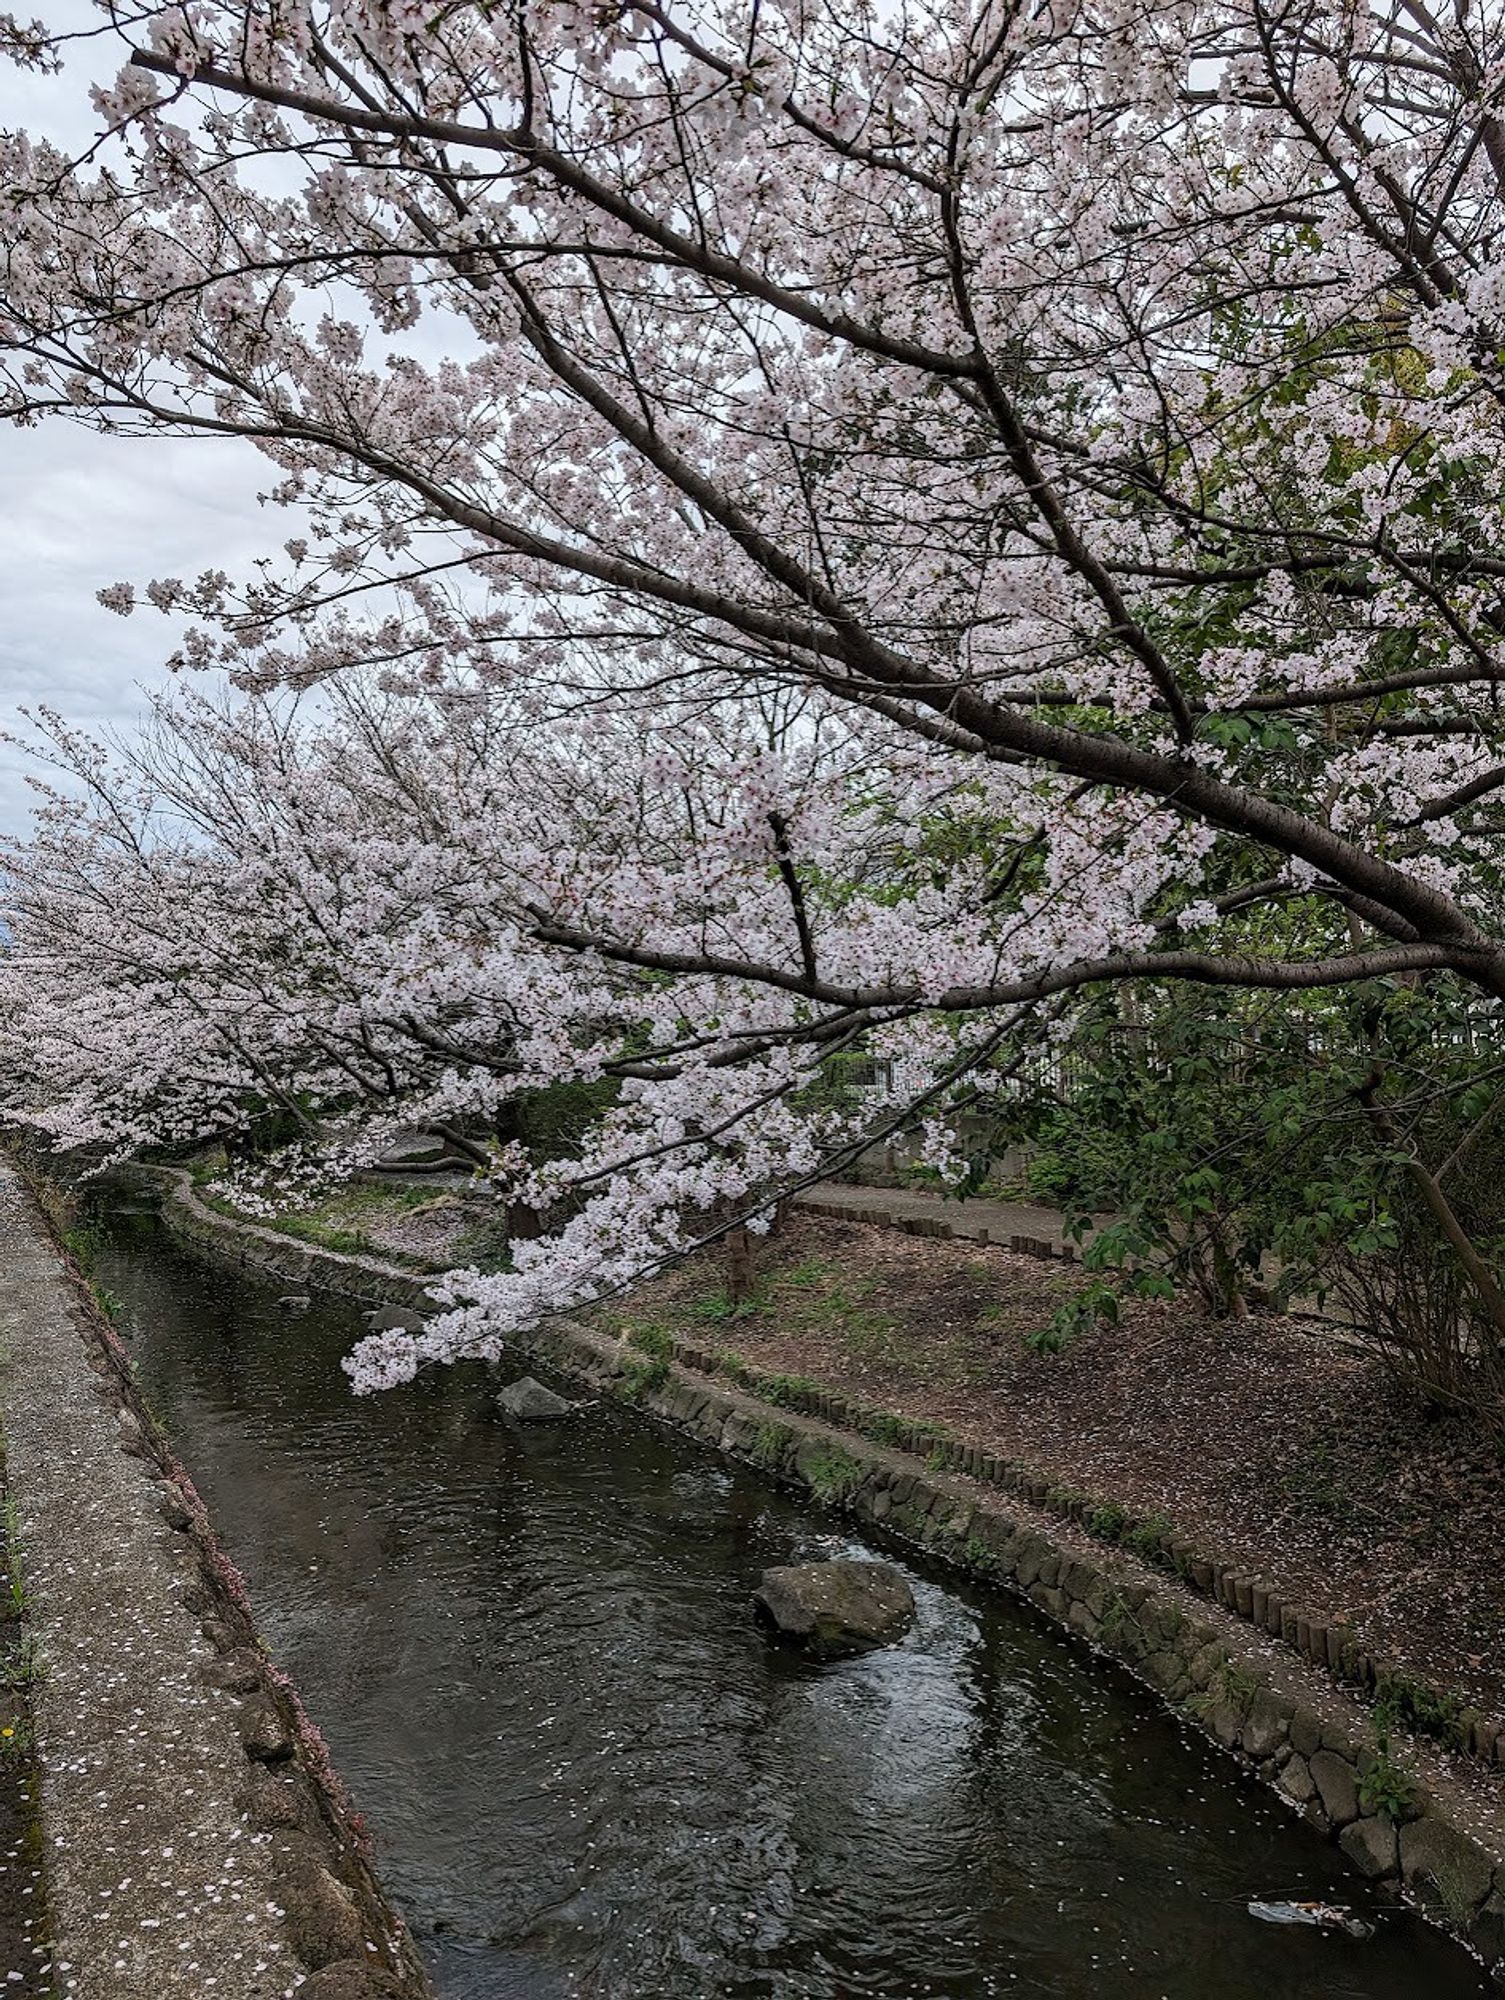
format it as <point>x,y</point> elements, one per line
<point>1086,417</point>
<point>338,921</point>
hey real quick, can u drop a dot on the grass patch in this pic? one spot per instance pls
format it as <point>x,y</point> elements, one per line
<point>643,1378</point>
<point>771,1446</point>
<point>343,1221</point>
<point>806,1277</point>
<point>485,1245</point>
<point>833,1475</point>
<point>717,1307</point>
<point>785,1392</point>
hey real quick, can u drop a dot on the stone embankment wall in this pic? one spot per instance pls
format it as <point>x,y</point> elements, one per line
<point>197,1844</point>
<point>1404,1812</point>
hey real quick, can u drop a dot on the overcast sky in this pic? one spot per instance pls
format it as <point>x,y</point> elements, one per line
<point>78,512</point>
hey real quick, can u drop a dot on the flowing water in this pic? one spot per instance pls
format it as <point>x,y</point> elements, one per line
<point>532,1655</point>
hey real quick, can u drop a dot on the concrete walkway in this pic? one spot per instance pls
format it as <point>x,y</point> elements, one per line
<point>156,1887</point>
<point>1018,1225</point>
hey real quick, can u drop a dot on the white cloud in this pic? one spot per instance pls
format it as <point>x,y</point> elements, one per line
<point>78,512</point>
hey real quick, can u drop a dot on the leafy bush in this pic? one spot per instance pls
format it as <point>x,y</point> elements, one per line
<point>1384,1788</point>
<point>1345,1147</point>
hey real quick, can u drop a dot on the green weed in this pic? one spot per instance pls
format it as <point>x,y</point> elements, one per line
<point>980,1558</point>
<point>885,1429</point>
<point>771,1446</point>
<point>1118,1621</point>
<point>805,1277</point>
<point>785,1392</point>
<point>21,1666</point>
<point>1384,1788</point>
<point>1148,1537</point>
<point>833,1475</point>
<point>719,1308</point>
<point>1230,1685</point>
<point>642,1378</point>
<point>652,1339</point>
<point>1406,1704</point>
<point>15,1582</point>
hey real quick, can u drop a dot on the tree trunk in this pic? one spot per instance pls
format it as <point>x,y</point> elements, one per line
<point>740,1266</point>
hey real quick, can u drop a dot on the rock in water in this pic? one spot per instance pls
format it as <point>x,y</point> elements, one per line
<point>529,1402</point>
<point>392,1319</point>
<point>833,1609</point>
<point>295,1302</point>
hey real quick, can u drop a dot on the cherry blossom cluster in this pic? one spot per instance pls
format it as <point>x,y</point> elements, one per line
<point>817,533</point>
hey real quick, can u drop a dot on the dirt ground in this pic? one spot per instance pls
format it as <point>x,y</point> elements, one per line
<point>1265,1441</point>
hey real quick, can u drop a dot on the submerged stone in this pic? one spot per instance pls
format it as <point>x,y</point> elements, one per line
<point>834,1609</point>
<point>529,1402</point>
<point>392,1319</point>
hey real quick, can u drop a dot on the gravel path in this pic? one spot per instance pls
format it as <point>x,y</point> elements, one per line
<point>156,1888</point>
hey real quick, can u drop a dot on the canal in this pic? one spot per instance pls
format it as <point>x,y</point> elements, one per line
<point>532,1655</point>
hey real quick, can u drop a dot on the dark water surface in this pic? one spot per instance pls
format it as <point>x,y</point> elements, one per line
<point>532,1655</point>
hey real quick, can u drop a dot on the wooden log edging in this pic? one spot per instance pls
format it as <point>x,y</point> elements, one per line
<point>1274,1685</point>
<point>1327,1641</point>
